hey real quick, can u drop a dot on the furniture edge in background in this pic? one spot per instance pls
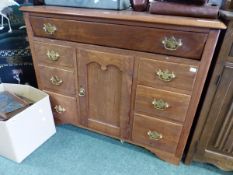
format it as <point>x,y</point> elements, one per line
<point>205,140</point>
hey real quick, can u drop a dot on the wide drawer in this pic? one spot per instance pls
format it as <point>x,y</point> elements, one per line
<point>160,103</point>
<point>59,80</point>
<point>56,55</point>
<point>64,108</point>
<point>156,133</point>
<point>169,42</point>
<point>167,75</point>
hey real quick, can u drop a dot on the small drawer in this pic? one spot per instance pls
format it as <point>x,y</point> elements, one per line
<point>147,39</point>
<point>64,108</point>
<point>167,75</point>
<point>160,103</point>
<point>156,133</point>
<point>59,80</point>
<point>56,55</point>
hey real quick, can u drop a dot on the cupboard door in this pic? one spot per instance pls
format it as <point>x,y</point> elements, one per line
<point>217,138</point>
<point>105,80</point>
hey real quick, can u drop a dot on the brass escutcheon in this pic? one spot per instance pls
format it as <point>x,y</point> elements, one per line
<point>52,55</point>
<point>82,92</point>
<point>160,104</point>
<point>59,109</point>
<point>172,43</point>
<point>55,80</point>
<point>154,135</point>
<point>165,75</point>
<point>49,28</point>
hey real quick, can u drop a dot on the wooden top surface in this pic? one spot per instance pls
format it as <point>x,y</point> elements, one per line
<point>127,15</point>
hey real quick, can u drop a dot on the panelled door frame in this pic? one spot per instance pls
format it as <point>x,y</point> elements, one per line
<point>104,59</point>
<point>204,146</point>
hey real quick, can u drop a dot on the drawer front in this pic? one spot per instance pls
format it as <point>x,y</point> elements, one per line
<point>53,54</point>
<point>63,107</point>
<point>169,42</point>
<point>160,103</point>
<point>156,133</point>
<point>167,75</point>
<point>59,80</point>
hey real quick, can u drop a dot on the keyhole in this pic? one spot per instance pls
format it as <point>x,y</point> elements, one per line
<point>103,68</point>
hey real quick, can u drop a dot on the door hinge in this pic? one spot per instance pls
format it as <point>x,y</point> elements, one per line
<point>218,80</point>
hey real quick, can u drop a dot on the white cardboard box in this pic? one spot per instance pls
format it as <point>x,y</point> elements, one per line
<point>25,132</point>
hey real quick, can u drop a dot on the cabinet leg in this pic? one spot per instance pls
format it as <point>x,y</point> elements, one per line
<point>223,165</point>
<point>168,157</point>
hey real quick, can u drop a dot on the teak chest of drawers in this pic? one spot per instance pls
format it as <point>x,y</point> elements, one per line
<point>129,75</point>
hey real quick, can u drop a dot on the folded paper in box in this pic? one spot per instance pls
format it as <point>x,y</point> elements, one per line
<point>27,130</point>
<point>10,105</point>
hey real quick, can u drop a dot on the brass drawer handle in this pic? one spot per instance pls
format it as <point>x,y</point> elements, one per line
<point>82,92</point>
<point>154,135</point>
<point>165,75</point>
<point>160,104</point>
<point>55,80</point>
<point>59,109</point>
<point>172,43</point>
<point>52,55</point>
<point>49,28</point>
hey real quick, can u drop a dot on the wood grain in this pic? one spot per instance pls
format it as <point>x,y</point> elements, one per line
<point>127,15</point>
<point>127,37</point>
<point>224,55</point>
<point>212,139</point>
<point>183,82</point>
<point>198,87</point>
<point>170,131</point>
<point>109,74</point>
<point>66,102</point>
<point>67,86</point>
<point>215,141</point>
<point>107,78</point>
<point>66,58</point>
<point>178,103</point>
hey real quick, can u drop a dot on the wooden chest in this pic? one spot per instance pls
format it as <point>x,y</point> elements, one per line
<point>129,75</point>
<point>212,141</point>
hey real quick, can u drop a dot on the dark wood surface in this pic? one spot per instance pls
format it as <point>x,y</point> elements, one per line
<point>66,55</point>
<point>67,86</point>
<point>122,36</point>
<point>183,82</point>
<point>107,78</point>
<point>68,113</point>
<point>178,103</point>
<point>112,71</point>
<point>222,134</point>
<point>126,15</point>
<point>170,133</point>
<point>212,141</point>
